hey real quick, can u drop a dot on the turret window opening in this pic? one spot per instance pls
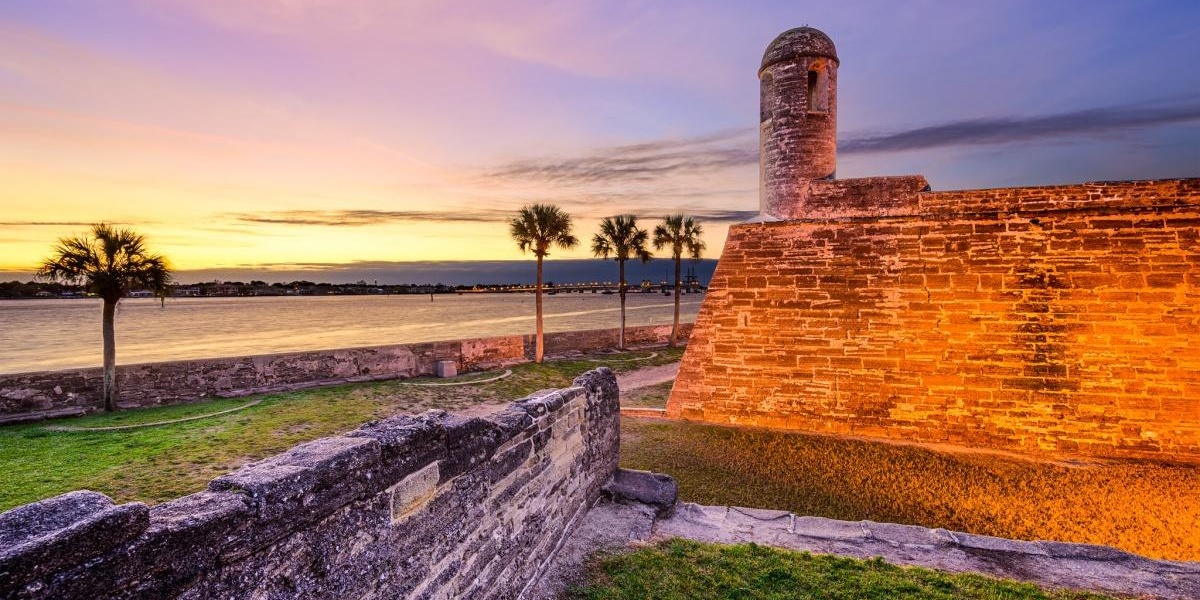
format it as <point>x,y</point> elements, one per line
<point>818,91</point>
<point>767,96</point>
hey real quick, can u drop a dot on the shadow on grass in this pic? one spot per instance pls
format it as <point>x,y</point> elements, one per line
<point>1147,508</point>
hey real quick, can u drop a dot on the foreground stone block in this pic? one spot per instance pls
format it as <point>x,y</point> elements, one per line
<point>310,479</point>
<point>406,444</point>
<point>653,489</point>
<point>55,534</point>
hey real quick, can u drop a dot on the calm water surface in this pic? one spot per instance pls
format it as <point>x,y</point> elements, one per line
<point>38,335</point>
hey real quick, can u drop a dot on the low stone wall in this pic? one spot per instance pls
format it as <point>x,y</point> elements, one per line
<point>27,396</point>
<point>431,506</point>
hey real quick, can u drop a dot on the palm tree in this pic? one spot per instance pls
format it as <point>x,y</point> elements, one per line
<point>621,237</point>
<point>109,262</point>
<point>536,228</point>
<point>681,234</point>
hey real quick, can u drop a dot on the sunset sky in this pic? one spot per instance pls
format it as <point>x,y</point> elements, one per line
<point>322,134</point>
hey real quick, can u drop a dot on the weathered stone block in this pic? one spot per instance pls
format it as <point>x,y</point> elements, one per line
<point>829,529</point>
<point>504,464</point>
<point>908,535</point>
<point>654,489</point>
<point>512,420</point>
<point>995,544</point>
<point>469,442</point>
<point>406,444</point>
<point>39,539</point>
<point>413,492</point>
<point>308,480</point>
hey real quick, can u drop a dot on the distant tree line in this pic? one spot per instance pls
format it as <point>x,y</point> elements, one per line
<point>36,289</point>
<point>39,289</point>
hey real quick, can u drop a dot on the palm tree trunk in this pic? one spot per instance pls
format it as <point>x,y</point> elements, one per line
<point>675,325</point>
<point>538,303</point>
<point>110,356</point>
<point>621,282</point>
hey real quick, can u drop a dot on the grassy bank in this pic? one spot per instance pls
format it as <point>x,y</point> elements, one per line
<point>651,396</point>
<point>686,570</point>
<point>156,464</point>
<point>1145,508</point>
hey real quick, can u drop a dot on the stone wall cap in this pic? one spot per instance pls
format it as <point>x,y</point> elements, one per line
<point>31,521</point>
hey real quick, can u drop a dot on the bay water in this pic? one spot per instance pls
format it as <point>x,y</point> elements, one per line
<point>42,335</point>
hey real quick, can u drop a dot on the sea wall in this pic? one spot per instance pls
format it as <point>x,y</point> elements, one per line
<point>27,396</point>
<point>1048,319</point>
<point>428,506</point>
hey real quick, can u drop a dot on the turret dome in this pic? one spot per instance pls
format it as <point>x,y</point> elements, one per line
<point>801,41</point>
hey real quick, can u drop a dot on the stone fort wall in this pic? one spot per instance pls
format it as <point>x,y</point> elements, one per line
<point>431,506</point>
<point>25,396</point>
<point>1060,319</point>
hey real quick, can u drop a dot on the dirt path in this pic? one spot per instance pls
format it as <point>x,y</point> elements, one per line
<point>647,377</point>
<point>632,380</point>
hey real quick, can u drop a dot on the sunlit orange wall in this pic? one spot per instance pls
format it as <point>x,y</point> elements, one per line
<point>1054,319</point>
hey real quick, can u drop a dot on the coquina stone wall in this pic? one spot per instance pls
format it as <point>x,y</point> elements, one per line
<point>429,506</point>
<point>1062,319</point>
<point>25,396</point>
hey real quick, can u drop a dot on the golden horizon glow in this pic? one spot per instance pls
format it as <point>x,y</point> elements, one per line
<point>235,133</point>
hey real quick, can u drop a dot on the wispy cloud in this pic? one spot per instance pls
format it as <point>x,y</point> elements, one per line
<point>662,160</point>
<point>1006,130</point>
<point>45,224</point>
<point>361,218</point>
<point>730,216</point>
<point>647,161</point>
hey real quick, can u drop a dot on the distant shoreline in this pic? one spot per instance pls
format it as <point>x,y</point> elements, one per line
<point>560,292</point>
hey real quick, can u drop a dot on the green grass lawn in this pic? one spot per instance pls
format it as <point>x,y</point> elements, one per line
<point>651,396</point>
<point>156,464</point>
<point>687,570</point>
<point>1141,507</point>
<point>1151,509</point>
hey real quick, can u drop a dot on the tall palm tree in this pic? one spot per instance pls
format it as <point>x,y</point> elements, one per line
<point>621,238</point>
<point>536,228</point>
<point>682,235</point>
<point>109,262</point>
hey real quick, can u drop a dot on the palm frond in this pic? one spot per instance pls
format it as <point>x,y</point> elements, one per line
<point>108,261</point>
<point>681,234</point>
<point>538,227</point>
<point>622,238</point>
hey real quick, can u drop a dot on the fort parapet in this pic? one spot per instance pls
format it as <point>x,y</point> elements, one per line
<point>1058,319</point>
<point>1061,319</point>
<point>428,506</point>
